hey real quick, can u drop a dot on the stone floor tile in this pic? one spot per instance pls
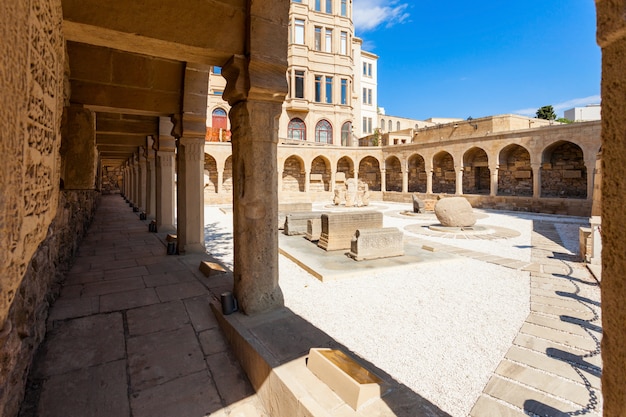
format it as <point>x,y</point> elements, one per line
<point>566,303</point>
<point>213,341</point>
<point>83,342</point>
<point>547,383</point>
<point>560,311</point>
<point>552,365</point>
<point>190,395</point>
<point>558,323</point>
<point>168,266</point>
<point>232,383</point>
<point>199,310</point>
<point>489,406</point>
<point>84,277</point>
<point>97,391</point>
<point>569,339</point>
<point>127,272</point>
<point>156,358</point>
<point>112,264</point>
<point>529,400</point>
<point>128,299</point>
<point>181,291</point>
<point>112,286</point>
<point>157,318</point>
<point>71,308</point>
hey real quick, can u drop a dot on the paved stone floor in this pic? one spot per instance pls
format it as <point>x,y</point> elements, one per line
<point>132,334</point>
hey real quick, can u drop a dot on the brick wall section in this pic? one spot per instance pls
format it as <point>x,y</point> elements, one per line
<point>417,174</point>
<point>369,172</point>
<point>564,174</point>
<point>444,177</point>
<point>515,176</point>
<point>393,175</point>
<point>318,166</point>
<point>293,175</point>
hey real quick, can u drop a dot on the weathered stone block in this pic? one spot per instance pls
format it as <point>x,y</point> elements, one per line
<point>376,243</point>
<point>285,208</point>
<point>338,228</point>
<point>313,229</point>
<point>521,174</point>
<point>296,223</point>
<point>211,268</point>
<point>572,174</point>
<point>455,212</point>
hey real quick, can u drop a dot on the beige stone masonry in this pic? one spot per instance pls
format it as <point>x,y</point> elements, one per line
<point>313,229</point>
<point>296,223</point>
<point>377,243</point>
<point>338,228</point>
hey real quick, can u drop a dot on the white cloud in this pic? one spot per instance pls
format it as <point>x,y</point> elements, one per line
<point>369,14</point>
<point>560,107</point>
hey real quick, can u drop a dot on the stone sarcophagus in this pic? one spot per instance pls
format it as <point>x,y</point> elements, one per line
<point>376,243</point>
<point>294,207</point>
<point>338,228</point>
<point>296,223</point>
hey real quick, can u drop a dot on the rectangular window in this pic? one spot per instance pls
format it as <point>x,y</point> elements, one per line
<point>344,91</point>
<point>329,89</point>
<point>318,38</point>
<point>318,88</point>
<point>369,96</point>
<point>364,68</point>
<point>343,47</point>
<point>344,8</point>
<point>299,84</point>
<point>329,40</point>
<point>318,5</point>
<point>365,125</point>
<point>365,96</point>
<point>369,125</point>
<point>329,6</point>
<point>369,70</point>
<point>299,32</point>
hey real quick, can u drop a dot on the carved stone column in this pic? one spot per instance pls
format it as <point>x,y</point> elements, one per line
<point>536,180</point>
<point>429,181</point>
<point>253,118</point>
<point>307,181</point>
<point>190,201</point>
<point>333,177</point>
<point>165,187</point>
<point>135,176</point>
<point>151,185</point>
<point>383,180</point>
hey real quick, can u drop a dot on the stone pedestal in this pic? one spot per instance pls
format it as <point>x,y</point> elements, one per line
<point>190,197</point>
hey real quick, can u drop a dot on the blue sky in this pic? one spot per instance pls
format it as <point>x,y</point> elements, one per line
<point>459,58</point>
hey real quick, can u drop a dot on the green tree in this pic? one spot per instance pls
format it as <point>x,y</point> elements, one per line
<point>564,120</point>
<point>546,112</point>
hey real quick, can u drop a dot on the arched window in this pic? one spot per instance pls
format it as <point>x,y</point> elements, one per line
<point>390,125</point>
<point>397,126</point>
<point>382,124</point>
<point>346,133</point>
<point>218,119</point>
<point>324,132</point>
<point>296,129</point>
<point>416,126</point>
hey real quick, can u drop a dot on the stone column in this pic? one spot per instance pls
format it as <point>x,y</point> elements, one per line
<point>190,195</point>
<point>590,165</point>
<point>135,175</point>
<point>611,37</point>
<point>405,181</point>
<point>151,185</point>
<point>220,179</point>
<point>493,190</point>
<point>165,185</point>
<point>142,181</point>
<point>280,181</point>
<point>383,180</point>
<point>429,181</point>
<point>459,181</point>
<point>254,117</point>
<point>307,181</point>
<point>536,180</point>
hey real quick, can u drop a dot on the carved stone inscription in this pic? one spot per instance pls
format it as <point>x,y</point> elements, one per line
<point>338,228</point>
<point>376,243</point>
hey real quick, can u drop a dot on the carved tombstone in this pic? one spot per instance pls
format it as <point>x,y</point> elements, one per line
<point>418,204</point>
<point>455,212</point>
<point>351,192</point>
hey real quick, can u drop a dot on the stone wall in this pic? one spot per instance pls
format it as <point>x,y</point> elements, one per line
<point>444,176</point>
<point>564,174</point>
<point>393,175</point>
<point>32,100</point>
<point>38,290</point>
<point>515,176</point>
<point>293,175</point>
<point>210,174</point>
<point>369,172</point>
<point>319,170</point>
<point>417,174</point>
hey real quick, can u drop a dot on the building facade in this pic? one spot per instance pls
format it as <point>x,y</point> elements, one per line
<point>584,114</point>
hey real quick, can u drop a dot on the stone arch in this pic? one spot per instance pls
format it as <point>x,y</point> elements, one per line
<point>345,165</point>
<point>476,172</point>
<point>393,174</point>
<point>293,174</point>
<point>563,171</point>
<point>210,174</point>
<point>320,174</point>
<point>444,176</point>
<point>417,174</point>
<point>369,172</point>
<point>515,174</point>
<point>227,180</point>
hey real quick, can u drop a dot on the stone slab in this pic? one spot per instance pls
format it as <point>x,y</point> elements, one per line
<point>313,229</point>
<point>386,242</point>
<point>296,223</point>
<point>211,268</point>
<point>156,318</point>
<point>355,384</point>
<point>488,406</point>
<point>338,228</point>
<point>127,300</point>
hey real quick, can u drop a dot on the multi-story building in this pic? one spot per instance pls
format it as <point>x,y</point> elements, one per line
<point>332,82</point>
<point>584,114</point>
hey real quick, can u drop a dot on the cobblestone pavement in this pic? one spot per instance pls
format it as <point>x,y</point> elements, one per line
<point>132,333</point>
